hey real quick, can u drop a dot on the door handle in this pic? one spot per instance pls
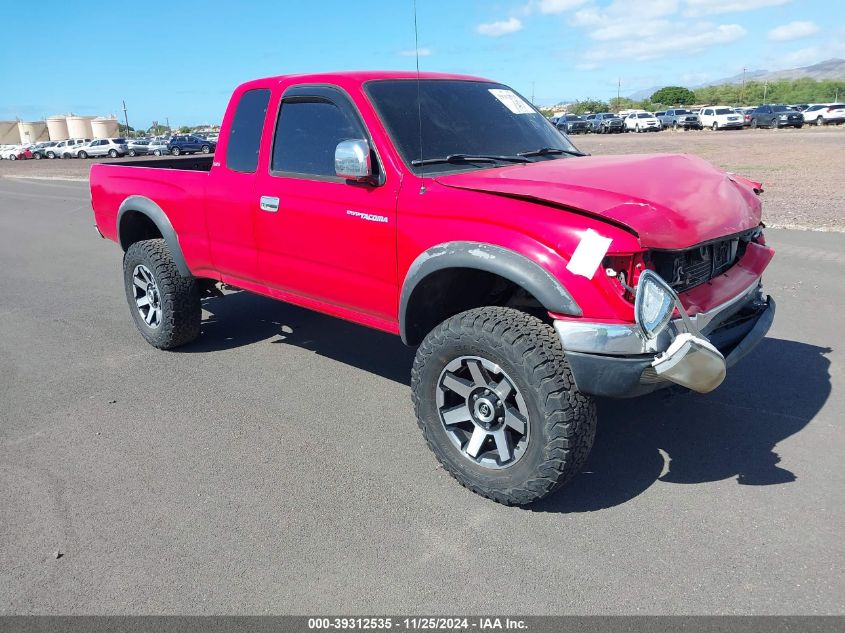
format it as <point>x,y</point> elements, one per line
<point>269,204</point>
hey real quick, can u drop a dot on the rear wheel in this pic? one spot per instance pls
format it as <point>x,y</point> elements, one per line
<point>715,126</point>
<point>37,156</point>
<point>83,155</point>
<point>12,157</point>
<point>206,149</point>
<point>753,124</point>
<point>131,152</point>
<point>820,121</point>
<point>164,305</point>
<point>157,152</point>
<point>496,402</point>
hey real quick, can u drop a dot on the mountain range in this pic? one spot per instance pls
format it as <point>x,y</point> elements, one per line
<point>828,69</point>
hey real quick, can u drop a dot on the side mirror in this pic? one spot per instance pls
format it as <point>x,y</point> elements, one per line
<point>352,160</point>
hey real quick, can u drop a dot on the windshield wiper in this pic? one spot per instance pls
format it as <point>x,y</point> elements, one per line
<point>548,151</point>
<point>470,158</point>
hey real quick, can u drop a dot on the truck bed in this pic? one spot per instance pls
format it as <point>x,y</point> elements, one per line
<point>201,162</point>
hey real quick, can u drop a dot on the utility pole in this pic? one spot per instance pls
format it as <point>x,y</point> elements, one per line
<point>742,90</point>
<point>618,93</point>
<point>167,119</point>
<point>126,118</point>
<point>532,93</point>
<point>765,90</point>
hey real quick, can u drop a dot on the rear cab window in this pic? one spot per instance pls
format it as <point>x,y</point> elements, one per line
<point>245,132</point>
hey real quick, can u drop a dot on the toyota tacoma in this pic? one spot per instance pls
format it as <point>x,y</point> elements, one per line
<point>531,278</point>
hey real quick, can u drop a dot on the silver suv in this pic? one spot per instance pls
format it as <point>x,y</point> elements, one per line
<point>113,147</point>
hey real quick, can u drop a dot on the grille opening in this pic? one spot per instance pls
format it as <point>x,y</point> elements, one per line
<point>686,269</point>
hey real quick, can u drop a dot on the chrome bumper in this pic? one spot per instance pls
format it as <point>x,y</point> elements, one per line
<point>617,360</point>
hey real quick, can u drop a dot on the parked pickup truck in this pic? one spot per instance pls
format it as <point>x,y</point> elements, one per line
<point>445,209</point>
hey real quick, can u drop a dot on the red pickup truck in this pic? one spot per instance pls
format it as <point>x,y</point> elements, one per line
<point>446,209</point>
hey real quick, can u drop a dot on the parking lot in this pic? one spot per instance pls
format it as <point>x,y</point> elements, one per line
<point>275,465</point>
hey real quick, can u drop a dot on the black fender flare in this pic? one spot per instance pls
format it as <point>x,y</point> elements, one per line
<point>493,259</point>
<point>145,206</point>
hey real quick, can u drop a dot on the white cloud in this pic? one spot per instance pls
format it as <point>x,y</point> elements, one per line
<point>670,41</point>
<point>558,6</point>
<point>714,7</point>
<point>422,51</point>
<point>502,27</point>
<point>793,31</point>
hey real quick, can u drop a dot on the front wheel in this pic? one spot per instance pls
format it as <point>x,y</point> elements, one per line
<point>164,305</point>
<point>206,149</point>
<point>175,151</point>
<point>820,121</point>
<point>131,152</point>
<point>113,153</point>
<point>497,404</point>
<point>157,152</point>
<point>82,155</point>
<point>715,126</point>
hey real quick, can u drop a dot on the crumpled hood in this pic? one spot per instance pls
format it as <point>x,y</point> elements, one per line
<point>669,201</point>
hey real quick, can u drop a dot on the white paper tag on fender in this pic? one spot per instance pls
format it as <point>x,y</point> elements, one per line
<point>588,254</point>
<point>512,101</point>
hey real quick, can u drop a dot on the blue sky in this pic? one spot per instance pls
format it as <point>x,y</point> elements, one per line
<point>180,59</point>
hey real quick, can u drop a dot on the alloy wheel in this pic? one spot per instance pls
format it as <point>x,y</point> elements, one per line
<point>147,296</point>
<point>482,412</point>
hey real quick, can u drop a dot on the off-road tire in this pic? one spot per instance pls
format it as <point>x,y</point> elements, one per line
<point>180,296</point>
<point>562,421</point>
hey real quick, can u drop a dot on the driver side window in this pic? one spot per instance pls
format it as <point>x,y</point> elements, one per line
<point>307,132</point>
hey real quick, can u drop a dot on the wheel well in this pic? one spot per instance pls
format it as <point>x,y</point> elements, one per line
<point>135,227</point>
<point>447,292</point>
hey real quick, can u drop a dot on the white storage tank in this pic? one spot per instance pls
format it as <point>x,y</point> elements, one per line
<point>104,127</point>
<point>33,132</point>
<point>9,133</point>
<point>57,128</point>
<point>79,127</point>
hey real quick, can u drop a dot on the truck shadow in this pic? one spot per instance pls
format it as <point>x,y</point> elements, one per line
<point>667,437</point>
<point>691,438</point>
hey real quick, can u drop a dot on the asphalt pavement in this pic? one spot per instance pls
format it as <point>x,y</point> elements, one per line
<point>275,466</point>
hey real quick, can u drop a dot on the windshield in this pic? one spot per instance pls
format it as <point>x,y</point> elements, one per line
<point>472,118</point>
<point>644,115</point>
<point>682,112</point>
<point>782,108</point>
<point>724,111</point>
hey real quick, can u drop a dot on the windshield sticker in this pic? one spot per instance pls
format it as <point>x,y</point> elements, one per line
<point>512,101</point>
<point>588,254</point>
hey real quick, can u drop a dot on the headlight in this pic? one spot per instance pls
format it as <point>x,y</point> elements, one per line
<point>653,304</point>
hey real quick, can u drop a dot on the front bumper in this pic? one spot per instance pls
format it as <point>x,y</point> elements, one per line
<point>615,360</point>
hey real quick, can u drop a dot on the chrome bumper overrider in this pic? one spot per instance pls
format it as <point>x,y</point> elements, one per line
<point>682,353</point>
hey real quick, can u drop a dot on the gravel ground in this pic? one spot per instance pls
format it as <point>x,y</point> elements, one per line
<point>801,170</point>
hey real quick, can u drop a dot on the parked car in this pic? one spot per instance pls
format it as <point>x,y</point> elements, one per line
<point>825,114</point>
<point>679,118</point>
<point>606,123</point>
<point>138,147</point>
<point>158,147</point>
<point>776,116</point>
<point>71,147</point>
<point>516,265</point>
<point>190,144</point>
<point>573,124</point>
<point>112,147</point>
<point>16,152</point>
<point>40,150</point>
<point>642,122</point>
<point>721,118</point>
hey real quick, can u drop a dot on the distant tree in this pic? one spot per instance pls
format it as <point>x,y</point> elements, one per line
<point>184,129</point>
<point>589,106</point>
<point>673,95</point>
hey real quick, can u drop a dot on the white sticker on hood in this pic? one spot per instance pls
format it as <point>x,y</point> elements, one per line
<point>512,101</point>
<point>588,254</point>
